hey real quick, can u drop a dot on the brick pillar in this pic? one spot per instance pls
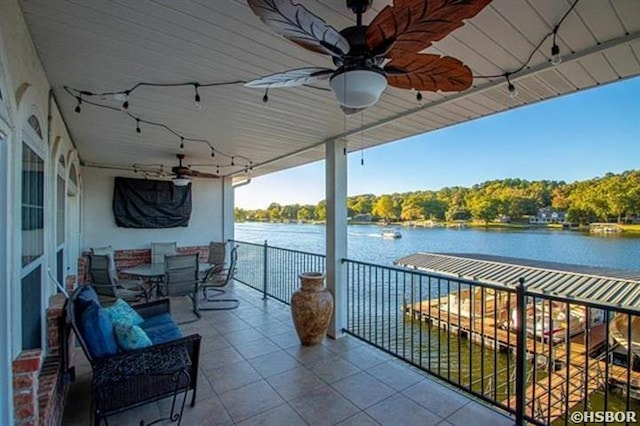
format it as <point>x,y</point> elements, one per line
<point>26,368</point>
<point>54,317</point>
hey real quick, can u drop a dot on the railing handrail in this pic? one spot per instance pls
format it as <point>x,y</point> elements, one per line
<point>280,248</point>
<point>501,287</point>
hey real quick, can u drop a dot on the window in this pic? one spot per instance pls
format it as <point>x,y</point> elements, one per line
<point>60,206</point>
<point>32,205</point>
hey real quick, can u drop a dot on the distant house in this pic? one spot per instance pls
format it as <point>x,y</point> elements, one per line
<point>548,215</point>
<point>363,217</point>
<point>503,219</point>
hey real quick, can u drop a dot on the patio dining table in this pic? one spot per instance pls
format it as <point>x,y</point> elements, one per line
<point>154,273</point>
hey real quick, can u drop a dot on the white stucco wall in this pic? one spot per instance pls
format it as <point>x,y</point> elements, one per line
<point>25,92</point>
<point>99,225</point>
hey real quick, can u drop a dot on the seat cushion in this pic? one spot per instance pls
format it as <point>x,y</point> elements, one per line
<point>130,336</point>
<point>161,328</point>
<point>97,331</point>
<point>120,311</point>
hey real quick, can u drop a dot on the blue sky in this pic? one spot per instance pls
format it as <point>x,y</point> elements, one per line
<point>570,138</point>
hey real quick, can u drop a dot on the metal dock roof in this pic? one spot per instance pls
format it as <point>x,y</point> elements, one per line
<point>613,286</point>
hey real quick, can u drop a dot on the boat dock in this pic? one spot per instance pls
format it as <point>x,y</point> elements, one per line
<point>556,344</point>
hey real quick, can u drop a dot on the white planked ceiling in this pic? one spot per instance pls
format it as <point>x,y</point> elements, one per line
<point>106,45</point>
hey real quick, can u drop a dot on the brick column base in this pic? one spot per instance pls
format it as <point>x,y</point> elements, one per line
<point>26,369</point>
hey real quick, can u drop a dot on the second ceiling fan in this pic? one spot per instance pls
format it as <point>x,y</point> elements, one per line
<point>368,57</point>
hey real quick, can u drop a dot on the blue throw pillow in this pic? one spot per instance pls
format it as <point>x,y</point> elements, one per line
<point>86,296</point>
<point>130,336</point>
<point>120,311</point>
<point>97,331</point>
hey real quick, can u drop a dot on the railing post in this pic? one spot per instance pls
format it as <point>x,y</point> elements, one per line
<point>521,346</point>
<point>265,276</point>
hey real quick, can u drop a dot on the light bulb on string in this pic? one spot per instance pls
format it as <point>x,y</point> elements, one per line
<point>233,161</point>
<point>265,98</point>
<point>556,59</point>
<point>197,97</point>
<point>79,100</point>
<point>217,170</point>
<point>181,143</point>
<point>138,126</point>
<point>213,152</point>
<point>419,97</point>
<point>512,91</point>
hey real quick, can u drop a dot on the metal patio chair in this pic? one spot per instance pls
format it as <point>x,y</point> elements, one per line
<point>106,284</point>
<point>181,278</point>
<point>160,250</point>
<point>212,287</point>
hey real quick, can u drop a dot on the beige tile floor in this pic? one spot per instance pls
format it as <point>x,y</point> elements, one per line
<point>253,371</point>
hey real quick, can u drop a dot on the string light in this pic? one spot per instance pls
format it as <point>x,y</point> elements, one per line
<point>419,97</point>
<point>511,89</point>
<point>80,96</point>
<point>265,98</point>
<point>556,59</point>
<point>197,97</point>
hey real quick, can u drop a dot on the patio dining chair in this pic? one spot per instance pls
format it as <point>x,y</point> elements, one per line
<point>106,284</point>
<point>181,278</point>
<point>212,287</point>
<point>160,250</point>
<point>217,256</point>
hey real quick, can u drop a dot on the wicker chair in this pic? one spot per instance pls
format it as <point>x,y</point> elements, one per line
<point>212,287</point>
<point>107,285</point>
<point>133,378</point>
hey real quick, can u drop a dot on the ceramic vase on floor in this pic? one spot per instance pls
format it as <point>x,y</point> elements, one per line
<point>311,308</point>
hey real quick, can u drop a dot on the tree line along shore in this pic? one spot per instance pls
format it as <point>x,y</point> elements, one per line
<point>612,198</point>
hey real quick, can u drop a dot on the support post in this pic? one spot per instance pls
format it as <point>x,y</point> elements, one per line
<point>521,345</point>
<point>336,232</point>
<point>265,272</point>
<point>228,204</point>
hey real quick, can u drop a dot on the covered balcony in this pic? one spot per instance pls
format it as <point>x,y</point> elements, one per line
<point>94,91</point>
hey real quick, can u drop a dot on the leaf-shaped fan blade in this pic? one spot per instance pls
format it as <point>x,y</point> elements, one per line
<point>413,25</point>
<point>195,173</point>
<point>302,27</point>
<point>428,73</point>
<point>297,77</point>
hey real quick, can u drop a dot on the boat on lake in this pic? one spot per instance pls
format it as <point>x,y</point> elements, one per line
<point>391,234</point>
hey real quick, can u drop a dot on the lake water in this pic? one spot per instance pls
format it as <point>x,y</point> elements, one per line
<point>366,243</point>
<point>434,349</point>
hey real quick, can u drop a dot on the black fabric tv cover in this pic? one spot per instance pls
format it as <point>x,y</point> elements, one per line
<point>142,203</point>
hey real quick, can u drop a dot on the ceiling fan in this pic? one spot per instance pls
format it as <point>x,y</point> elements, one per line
<point>183,173</point>
<point>368,57</point>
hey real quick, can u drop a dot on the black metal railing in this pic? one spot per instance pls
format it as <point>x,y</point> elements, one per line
<point>540,357</point>
<point>274,270</point>
<point>568,356</point>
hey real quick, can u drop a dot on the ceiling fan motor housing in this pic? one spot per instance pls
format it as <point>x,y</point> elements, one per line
<point>359,6</point>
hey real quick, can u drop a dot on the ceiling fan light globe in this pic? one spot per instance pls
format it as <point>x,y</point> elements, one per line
<point>360,88</point>
<point>181,181</point>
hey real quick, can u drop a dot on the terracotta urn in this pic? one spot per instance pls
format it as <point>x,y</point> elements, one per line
<point>311,308</point>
